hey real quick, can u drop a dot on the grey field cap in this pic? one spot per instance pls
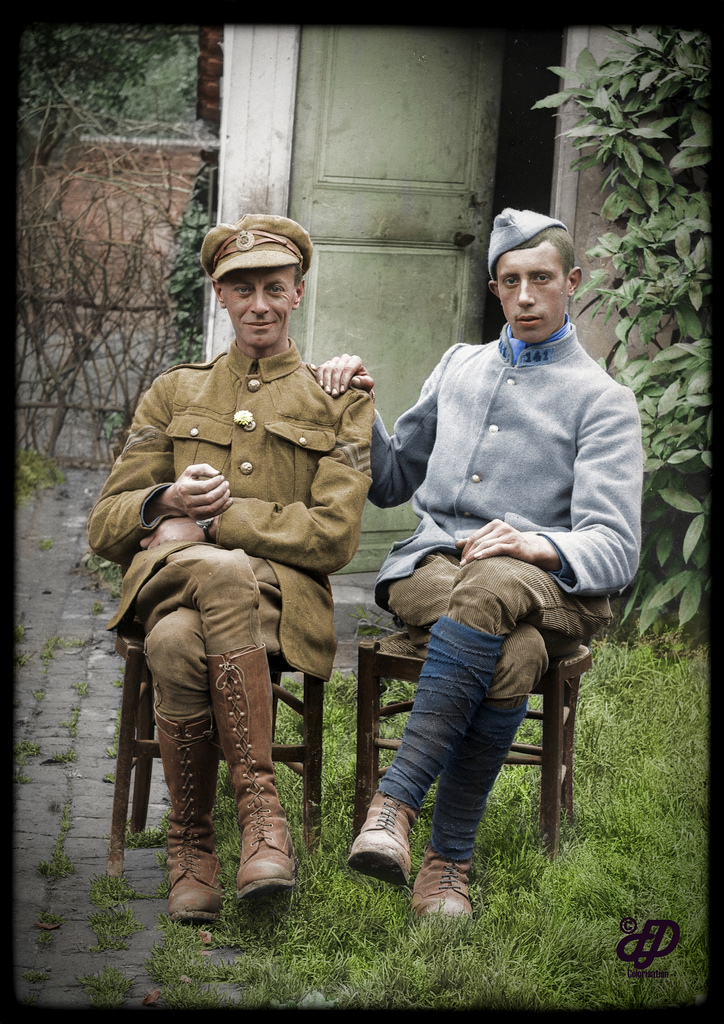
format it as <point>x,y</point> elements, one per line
<point>513,227</point>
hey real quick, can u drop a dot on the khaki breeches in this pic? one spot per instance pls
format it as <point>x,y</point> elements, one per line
<point>204,600</point>
<point>504,597</point>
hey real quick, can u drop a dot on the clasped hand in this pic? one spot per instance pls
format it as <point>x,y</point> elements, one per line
<point>201,492</point>
<point>499,538</point>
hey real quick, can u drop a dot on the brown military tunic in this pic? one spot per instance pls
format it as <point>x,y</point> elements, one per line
<point>299,478</point>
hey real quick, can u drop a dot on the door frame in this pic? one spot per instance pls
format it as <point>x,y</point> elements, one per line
<point>258,100</point>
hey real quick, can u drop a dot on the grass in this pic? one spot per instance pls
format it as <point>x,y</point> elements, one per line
<point>60,865</point>
<point>544,934</point>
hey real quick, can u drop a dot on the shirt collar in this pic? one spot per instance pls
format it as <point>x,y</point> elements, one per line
<point>519,353</point>
<point>270,368</point>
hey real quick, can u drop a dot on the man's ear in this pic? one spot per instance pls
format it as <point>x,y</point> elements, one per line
<point>574,280</point>
<point>217,290</point>
<point>493,285</point>
<point>300,291</point>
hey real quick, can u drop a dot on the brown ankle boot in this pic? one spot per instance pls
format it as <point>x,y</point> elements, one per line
<point>190,758</point>
<point>441,887</point>
<point>382,848</point>
<point>241,694</point>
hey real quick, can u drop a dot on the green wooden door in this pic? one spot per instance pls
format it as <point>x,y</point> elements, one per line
<point>392,174</point>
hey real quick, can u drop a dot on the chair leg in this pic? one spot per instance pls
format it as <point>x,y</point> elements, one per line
<point>145,730</point>
<point>573,687</point>
<point>312,793</point>
<point>368,726</point>
<point>552,767</point>
<point>124,762</point>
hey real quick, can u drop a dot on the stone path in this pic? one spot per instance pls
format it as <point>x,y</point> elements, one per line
<point>68,702</point>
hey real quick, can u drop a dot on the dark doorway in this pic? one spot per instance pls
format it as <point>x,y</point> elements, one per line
<point>524,167</point>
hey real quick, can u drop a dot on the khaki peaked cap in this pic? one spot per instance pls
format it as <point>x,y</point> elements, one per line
<point>257,240</point>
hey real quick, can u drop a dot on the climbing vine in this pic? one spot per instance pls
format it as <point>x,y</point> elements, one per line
<point>186,283</point>
<point>646,124</point>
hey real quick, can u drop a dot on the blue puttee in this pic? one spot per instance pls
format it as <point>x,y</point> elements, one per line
<point>454,735</point>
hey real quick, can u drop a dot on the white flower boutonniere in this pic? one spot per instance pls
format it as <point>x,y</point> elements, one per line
<point>245,419</point>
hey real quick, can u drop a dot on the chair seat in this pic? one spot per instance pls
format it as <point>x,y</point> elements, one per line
<point>138,747</point>
<point>395,657</point>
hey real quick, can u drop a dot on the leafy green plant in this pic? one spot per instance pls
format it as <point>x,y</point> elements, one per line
<point>186,283</point>
<point>107,573</point>
<point>33,472</point>
<point>647,126</point>
<point>674,396</point>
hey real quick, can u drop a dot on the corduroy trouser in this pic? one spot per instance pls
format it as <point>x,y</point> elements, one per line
<point>204,600</point>
<point>489,629</point>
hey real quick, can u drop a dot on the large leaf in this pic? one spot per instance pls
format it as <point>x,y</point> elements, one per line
<point>669,398</point>
<point>682,500</point>
<point>693,535</point>
<point>690,601</point>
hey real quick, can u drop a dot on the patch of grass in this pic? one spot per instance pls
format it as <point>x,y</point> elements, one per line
<point>544,934</point>
<point>106,990</point>
<point>25,749</point>
<point>19,658</point>
<point>21,752</point>
<point>113,892</point>
<point>60,865</point>
<point>150,837</point>
<point>46,934</point>
<point>66,756</point>
<point>72,723</point>
<point>35,977</point>
<point>112,927</point>
<point>45,917</point>
<point>52,644</point>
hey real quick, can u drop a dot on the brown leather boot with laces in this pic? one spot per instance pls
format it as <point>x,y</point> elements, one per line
<point>190,759</point>
<point>441,887</point>
<point>382,848</point>
<point>241,694</point>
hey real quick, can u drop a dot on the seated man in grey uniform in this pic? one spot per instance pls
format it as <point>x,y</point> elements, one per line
<point>523,461</point>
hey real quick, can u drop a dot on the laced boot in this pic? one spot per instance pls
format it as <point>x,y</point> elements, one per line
<point>241,694</point>
<point>190,759</point>
<point>441,886</point>
<point>382,848</point>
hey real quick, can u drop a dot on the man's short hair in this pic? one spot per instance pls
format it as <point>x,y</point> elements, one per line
<point>559,239</point>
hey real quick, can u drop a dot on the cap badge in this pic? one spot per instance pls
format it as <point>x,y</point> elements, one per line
<point>244,241</point>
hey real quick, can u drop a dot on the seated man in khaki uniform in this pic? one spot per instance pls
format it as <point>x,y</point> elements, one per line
<point>240,488</point>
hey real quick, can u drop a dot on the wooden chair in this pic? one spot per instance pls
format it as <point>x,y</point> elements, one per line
<point>137,746</point>
<point>394,657</point>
